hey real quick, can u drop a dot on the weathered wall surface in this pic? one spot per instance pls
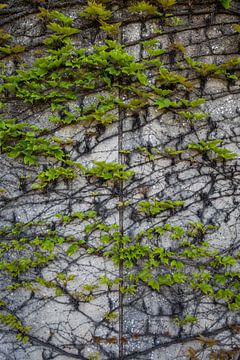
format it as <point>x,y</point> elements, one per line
<point>82,318</point>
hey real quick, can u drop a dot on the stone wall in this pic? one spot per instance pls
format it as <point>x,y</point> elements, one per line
<point>85,319</point>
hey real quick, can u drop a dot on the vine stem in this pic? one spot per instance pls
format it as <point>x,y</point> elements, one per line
<point>120,214</point>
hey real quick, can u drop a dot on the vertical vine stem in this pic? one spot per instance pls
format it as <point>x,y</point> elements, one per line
<point>121,212</point>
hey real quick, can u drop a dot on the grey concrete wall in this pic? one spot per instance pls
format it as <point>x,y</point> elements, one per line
<point>143,327</point>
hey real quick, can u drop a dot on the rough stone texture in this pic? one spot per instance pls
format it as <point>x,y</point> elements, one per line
<point>63,329</point>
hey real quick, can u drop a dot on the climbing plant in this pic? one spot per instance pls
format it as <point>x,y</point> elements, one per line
<point>95,89</point>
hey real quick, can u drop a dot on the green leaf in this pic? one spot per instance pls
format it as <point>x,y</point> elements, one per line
<point>12,50</point>
<point>112,29</point>
<point>177,264</point>
<point>61,17</point>
<point>228,260</point>
<point>30,159</point>
<point>179,277</point>
<point>48,245</point>
<point>226,294</point>
<point>96,10</point>
<point>163,103</point>
<point>154,284</point>
<point>226,3</point>
<point>236,27</point>
<point>105,239</point>
<point>142,78</point>
<point>63,30</point>
<point>197,102</point>
<point>167,3</point>
<point>206,288</point>
<point>156,52</point>
<point>59,292</point>
<point>72,249</point>
<point>25,339</point>
<point>144,6</point>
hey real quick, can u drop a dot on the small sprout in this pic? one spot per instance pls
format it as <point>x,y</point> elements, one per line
<point>179,46</point>
<point>154,206</point>
<point>8,50</point>
<point>108,171</point>
<point>89,287</point>
<point>121,204</point>
<point>125,152</point>
<point>169,151</point>
<point>111,316</point>
<point>213,145</point>
<point>62,30</point>
<point>111,29</point>
<point>3,6</point>
<point>94,356</point>
<point>236,27</point>
<point>144,7</point>
<point>96,10</point>
<point>53,174</point>
<point>186,320</point>
<point>166,3</point>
